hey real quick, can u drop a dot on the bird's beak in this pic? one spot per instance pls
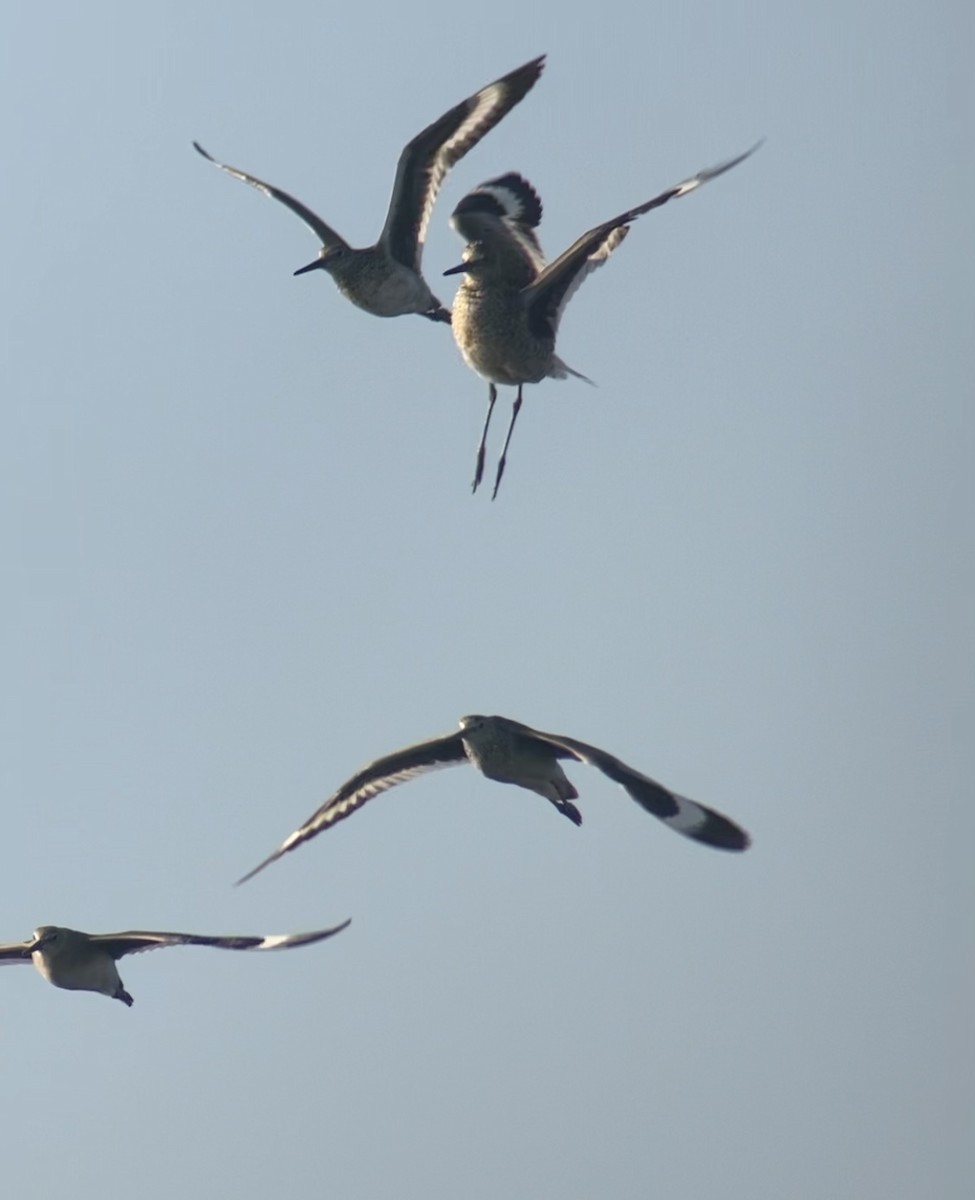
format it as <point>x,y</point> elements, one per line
<point>458,270</point>
<point>325,256</point>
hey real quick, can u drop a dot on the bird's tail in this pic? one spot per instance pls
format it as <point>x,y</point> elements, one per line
<point>561,370</point>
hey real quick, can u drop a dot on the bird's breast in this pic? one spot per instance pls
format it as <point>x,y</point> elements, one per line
<point>382,286</point>
<point>491,331</point>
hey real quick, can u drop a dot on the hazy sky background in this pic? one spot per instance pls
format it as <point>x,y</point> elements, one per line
<point>240,559</point>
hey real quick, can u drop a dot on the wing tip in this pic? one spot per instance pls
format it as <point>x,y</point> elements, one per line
<point>722,833</point>
<point>512,88</point>
<point>290,941</point>
<point>720,168</point>
<point>337,929</point>
<point>533,68</point>
<point>260,866</point>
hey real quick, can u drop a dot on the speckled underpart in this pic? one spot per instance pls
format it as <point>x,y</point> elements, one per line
<point>381,286</point>
<point>492,334</point>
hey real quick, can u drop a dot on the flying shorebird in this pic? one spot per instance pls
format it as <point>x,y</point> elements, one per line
<point>509,752</point>
<point>385,279</point>
<point>507,310</point>
<point>85,962</point>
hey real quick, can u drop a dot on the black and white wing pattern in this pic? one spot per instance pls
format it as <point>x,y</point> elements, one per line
<point>325,233</point>
<point>15,952</point>
<point>685,816</point>
<point>133,942</point>
<point>503,213</point>
<point>425,161</point>
<point>548,295</point>
<point>377,777</point>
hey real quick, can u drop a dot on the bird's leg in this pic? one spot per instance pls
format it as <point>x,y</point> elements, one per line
<point>479,466</point>
<point>438,313</point>
<point>567,809</point>
<point>504,451</point>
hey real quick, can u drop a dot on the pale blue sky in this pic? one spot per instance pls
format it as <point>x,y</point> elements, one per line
<point>240,559</point>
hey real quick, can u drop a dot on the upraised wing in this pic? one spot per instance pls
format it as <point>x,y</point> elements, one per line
<point>548,295</point>
<point>425,161</point>
<point>325,233</point>
<point>503,214</point>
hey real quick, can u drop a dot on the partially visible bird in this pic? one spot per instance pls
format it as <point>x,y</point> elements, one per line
<point>386,279</point>
<point>509,752</point>
<point>85,962</point>
<point>507,310</point>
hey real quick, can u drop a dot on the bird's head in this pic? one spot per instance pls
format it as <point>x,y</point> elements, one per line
<point>468,724</point>
<point>330,258</point>
<point>46,937</point>
<point>475,262</point>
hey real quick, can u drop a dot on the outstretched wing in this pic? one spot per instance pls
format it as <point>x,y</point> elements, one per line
<point>118,944</point>
<point>15,952</point>
<point>379,776</point>
<point>548,295</point>
<point>325,233</point>
<point>685,816</point>
<point>425,161</point>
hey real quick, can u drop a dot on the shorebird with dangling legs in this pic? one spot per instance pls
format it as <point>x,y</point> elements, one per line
<point>386,279</point>
<point>509,752</point>
<point>507,309</point>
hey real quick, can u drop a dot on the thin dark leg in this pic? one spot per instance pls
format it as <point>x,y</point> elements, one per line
<point>504,452</point>
<point>568,809</point>
<point>479,467</point>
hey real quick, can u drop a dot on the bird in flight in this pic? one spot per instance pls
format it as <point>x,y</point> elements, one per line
<point>86,962</point>
<point>509,752</point>
<point>507,310</point>
<point>386,279</point>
